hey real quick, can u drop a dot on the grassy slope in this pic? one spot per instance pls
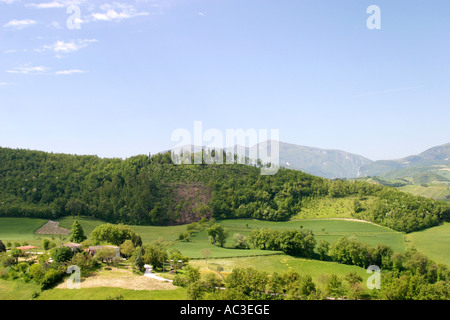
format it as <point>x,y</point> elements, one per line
<point>434,191</point>
<point>103,293</point>
<point>433,242</point>
<point>326,229</point>
<point>20,230</point>
<point>281,264</point>
<point>147,233</point>
<point>17,290</point>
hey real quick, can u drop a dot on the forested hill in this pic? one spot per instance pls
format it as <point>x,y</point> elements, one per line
<point>152,190</point>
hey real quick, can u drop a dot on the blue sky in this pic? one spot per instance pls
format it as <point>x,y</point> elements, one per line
<point>135,71</point>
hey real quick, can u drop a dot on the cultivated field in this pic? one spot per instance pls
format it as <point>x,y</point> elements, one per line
<point>279,264</point>
<point>433,242</point>
<point>21,229</point>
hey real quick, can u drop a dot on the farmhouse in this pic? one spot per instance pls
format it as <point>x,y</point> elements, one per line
<point>73,246</point>
<point>27,248</point>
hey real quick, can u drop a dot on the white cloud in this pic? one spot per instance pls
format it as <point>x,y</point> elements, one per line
<point>29,70</point>
<point>117,12</point>
<point>55,4</point>
<point>46,5</point>
<point>8,1</point>
<point>19,24</point>
<point>69,72</point>
<point>68,47</point>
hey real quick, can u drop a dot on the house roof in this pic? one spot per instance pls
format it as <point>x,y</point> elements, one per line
<point>72,245</point>
<point>102,247</point>
<point>26,247</point>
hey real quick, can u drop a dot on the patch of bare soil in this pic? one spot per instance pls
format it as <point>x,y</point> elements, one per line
<point>193,198</point>
<point>52,227</point>
<point>120,278</point>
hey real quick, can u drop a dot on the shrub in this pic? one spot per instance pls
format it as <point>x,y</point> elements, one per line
<point>50,278</point>
<point>61,254</point>
<point>37,272</point>
<point>240,241</point>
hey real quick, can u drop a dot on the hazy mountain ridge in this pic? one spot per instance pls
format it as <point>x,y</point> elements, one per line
<point>326,163</point>
<point>331,163</point>
<point>436,158</point>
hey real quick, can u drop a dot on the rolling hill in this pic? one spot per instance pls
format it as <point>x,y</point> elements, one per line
<point>145,190</point>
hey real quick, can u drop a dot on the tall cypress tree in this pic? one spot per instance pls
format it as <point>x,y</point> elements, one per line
<point>77,233</point>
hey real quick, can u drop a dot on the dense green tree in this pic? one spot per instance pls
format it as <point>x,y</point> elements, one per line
<point>2,247</point>
<point>297,242</point>
<point>155,253</point>
<point>77,233</point>
<point>138,260</point>
<point>115,234</point>
<point>334,287</point>
<point>251,282</point>
<point>61,254</point>
<point>127,248</point>
<point>292,242</point>
<point>217,234</point>
<point>195,290</point>
<point>45,244</point>
<point>192,274</point>
<point>322,248</point>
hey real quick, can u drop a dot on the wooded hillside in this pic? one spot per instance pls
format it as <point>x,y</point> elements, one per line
<point>153,191</point>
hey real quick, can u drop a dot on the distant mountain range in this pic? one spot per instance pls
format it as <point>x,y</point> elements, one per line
<point>341,164</point>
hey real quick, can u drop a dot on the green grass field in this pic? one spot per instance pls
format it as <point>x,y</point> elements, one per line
<point>433,242</point>
<point>17,290</point>
<point>147,233</point>
<point>107,293</point>
<point>329,230</point>
<point>326,229</point>
<point>436,191</point>
<point>281,264</point>
<point>21,230</point>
